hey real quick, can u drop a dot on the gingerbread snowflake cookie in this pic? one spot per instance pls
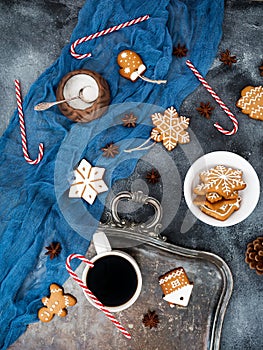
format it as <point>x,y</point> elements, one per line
<point>88,182</point>
<point>170,129</point>
<point>217,194</point>
<point>55,304</point>
<point>251,102</point>
<point>176,287</point>
<point>222,180</point>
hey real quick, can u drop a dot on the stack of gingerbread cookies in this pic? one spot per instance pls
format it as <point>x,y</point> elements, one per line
<point>217,194</point>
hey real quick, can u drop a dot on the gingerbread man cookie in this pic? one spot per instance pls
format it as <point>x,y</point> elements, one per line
<point>251,102</point>
<point>55,304</point>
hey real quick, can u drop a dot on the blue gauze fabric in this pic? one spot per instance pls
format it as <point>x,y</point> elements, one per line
<point>33,211</point>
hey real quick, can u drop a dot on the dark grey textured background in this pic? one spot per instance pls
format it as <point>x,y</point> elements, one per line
<point>32,36</point>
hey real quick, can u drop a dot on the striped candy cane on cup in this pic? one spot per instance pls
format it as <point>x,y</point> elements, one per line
<point>23,129</point>
<point>101,33</point>
<point>90,294</point>
<point>217,99</point>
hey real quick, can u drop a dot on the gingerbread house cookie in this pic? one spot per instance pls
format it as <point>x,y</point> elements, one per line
<point>176,287</point>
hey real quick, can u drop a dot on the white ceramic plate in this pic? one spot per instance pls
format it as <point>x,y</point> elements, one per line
<point>249,196</point>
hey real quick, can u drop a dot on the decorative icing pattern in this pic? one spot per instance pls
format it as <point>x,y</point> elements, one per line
<point>88,182</point>
<point>213,197</point>
<point>170,128</point>
<point>55,304</point>
<point>176,287</point>
<point>221,180</point>
<point>221,210</point>
<point>251,102</point>
<point>131,65</point>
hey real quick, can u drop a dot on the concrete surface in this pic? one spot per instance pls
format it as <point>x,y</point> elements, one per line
<point>32,36</point>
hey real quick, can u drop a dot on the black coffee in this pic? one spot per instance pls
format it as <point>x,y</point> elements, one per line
<point>112,280</point>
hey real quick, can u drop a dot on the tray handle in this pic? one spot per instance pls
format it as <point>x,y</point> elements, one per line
<point>152,227</point>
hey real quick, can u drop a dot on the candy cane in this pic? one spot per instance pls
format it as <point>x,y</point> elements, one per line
<point>101,33</point>
<point>90,294</point>
<point>218,100</point>
<point>23,129</point>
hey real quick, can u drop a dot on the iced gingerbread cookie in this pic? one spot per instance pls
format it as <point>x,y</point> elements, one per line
<point>213,197</point>
<point>222,180</point>
<point>55,304</point>
<point>176,287</point>
<point>221,210</point>
<point>131,65</point>
<point>251,102</point>
<point>170,129</point>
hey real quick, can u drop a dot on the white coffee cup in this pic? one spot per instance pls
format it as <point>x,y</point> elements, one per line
<point>103,250</point>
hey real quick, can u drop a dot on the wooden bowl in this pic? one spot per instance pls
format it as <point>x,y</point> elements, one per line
<point>78,110</point>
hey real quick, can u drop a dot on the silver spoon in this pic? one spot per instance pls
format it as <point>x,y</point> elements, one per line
<point>46,105</point>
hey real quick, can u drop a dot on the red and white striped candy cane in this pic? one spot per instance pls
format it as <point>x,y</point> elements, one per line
<point>91,295</point>
<point>101,33</point>
<point>218,100</point>
<point>23,129</point>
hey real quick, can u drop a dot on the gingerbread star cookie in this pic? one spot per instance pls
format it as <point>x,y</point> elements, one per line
<point>251,102</point>
<point>56,303</point>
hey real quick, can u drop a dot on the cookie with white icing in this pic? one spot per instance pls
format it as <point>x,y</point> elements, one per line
<point>55,304</point>
<point>131,65</point>
<point>220,210</point>
<point>222,180</point>
<point>251,102</point>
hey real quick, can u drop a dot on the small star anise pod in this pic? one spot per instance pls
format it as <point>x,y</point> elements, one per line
<point>110,150</point>
<point>129,120</point>
<point>53,250</point>
<point>150,319</point>
<point>227,59</point>
<point>153,176</point>
<point>261,69</point>
<point>205,110</point>
<point>180,51</point>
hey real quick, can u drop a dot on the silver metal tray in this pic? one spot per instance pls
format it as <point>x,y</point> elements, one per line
<point>197,326</point>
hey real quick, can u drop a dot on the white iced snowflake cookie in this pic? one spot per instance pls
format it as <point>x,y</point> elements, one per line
<point>87,182</point>
<point>170,128</point>
<point>222,180</point>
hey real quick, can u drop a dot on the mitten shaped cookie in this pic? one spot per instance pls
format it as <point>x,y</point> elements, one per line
<point>251,102</point>
<point>131,65</point>
<point>55,304</point>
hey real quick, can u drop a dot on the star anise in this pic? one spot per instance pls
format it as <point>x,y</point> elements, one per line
<point>129,120</point>
<point>53,250</point>
<point>205,109</point>
<point>110,150</point>
<point>153,176</point>
<point>261,69</point>
<point>180,51</point>
<point>227,59</point>
<point>150,319</point>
